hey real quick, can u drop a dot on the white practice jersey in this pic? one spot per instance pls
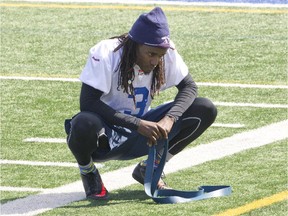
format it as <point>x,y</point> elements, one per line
<point>100,73</point>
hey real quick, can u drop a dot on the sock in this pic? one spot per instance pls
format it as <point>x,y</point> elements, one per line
<point>169,156</point>
<point>88,168</point>
<point>156,161</point>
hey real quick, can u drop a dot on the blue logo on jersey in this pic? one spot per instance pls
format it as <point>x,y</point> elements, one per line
<point>140,104</point>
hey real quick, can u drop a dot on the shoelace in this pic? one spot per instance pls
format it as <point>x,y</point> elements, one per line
<point>175,196</point>
<point>162,185</point>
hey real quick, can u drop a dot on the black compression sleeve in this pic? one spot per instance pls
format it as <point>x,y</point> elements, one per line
<point>90,101</point>
<point>187,92</point>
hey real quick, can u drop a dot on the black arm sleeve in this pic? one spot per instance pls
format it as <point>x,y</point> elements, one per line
<point>187,92</point>
<point>90,101</point>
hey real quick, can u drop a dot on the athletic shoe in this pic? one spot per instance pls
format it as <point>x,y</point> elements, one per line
<point>139,175</point>
<point>94,187</point>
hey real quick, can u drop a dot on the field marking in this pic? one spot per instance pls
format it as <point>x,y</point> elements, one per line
<point>63,195</point>
<point>22,189</point>
<point>239,85</point>
<point>235,85</point>
<point>41,163</point>
<point>45,140</point>
<point>61,141</point>
<point>256,204</point>
<point>228,125</point>
<point>40,78</point>
<point>257,105</point>
<point>128,7</point>
<point>230,145</point>
<point>182,3</point>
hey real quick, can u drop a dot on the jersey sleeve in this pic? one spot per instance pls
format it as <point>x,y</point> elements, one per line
<point>175,68</point>
<point>98,69</point>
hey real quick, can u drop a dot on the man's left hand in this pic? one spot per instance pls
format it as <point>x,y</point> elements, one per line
<point>166,124</point>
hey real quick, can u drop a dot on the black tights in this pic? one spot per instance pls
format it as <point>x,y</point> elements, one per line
<point>83,137</point>
<point>199,116</point>
<point>86,128</point>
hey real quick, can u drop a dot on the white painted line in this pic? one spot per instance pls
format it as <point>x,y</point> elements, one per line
<point>39,78</point>
<point>229,146</point>
<point>45,140</point>
<point>235,85</point>
<point>60,140</point>
<point>239,85</point>
<point>45,201</point>
<point>66,194</point>
<point>22,189</point>
<point>257,105</point>
<point>38,163</point>
<point>228,125</point>
<point>41,163</point>
<point>183,3</point>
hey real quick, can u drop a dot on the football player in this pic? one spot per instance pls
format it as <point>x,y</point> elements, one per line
<point>119,81</point>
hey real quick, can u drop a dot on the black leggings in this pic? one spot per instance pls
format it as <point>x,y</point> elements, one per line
<point>86,128</point>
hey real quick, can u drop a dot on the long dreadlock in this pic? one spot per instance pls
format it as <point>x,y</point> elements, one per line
<point>126,68</point>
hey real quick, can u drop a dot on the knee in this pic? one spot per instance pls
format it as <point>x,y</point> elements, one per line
<point>85,126</point>
<point>204,109</point>
<point>209,109</point>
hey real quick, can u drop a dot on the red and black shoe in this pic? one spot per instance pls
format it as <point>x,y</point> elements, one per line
<point>139,175</point>
<point>94,187</point>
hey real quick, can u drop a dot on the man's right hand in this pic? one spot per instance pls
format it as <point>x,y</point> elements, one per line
<point>152,130</point>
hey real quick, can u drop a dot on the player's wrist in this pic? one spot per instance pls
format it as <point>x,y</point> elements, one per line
<point>172,118</point>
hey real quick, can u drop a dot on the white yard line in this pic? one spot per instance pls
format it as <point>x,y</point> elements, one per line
<point>62,140</point>
<point>22,189</point>
<point>228,125</point>
<point>41,163</point>
<point>230,104</point>
<point>63,195</point>
<point>45,140</point>
<point>40,78</point>
<point>239,85</point>
<point>236,85</point>
<point>229,146</point>
<point>257,105</point>
<point>38,163</point>
<point>183,3</point>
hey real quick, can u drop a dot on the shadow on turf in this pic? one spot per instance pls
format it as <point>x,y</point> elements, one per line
<point>119,197</point>
<point>129,195</point>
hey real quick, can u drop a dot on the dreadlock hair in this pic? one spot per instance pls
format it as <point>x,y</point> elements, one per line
<point>126,68</point>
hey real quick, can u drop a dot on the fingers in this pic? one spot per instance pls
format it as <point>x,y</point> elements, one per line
<point>163,132</point>
<point>152,140</point>
<point>149,143</point>
<point>158,133</point>
<point>153,131</point>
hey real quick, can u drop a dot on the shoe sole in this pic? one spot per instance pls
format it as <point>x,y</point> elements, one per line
<point>106,197</point>
<point>138,178</point>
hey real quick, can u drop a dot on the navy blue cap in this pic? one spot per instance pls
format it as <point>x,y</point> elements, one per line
<point>151,29</point>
